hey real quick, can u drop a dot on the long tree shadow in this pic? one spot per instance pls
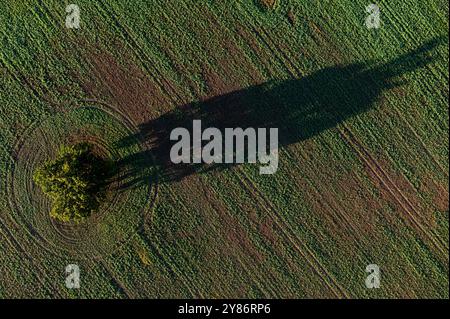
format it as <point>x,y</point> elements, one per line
<point>299,108</point>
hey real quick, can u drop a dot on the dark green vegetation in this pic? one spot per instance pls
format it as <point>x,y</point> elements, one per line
<point>363,172</point>
<point>76,181</point>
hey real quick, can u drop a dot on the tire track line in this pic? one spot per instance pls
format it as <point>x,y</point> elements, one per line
<point>209,195</point>
<point>17,246</point>
<point>143,57</point>
<point>285,228</point>
<point>130,125</point>
<point>268,203</point>
<point>292,70</point>
<point>15,242</point>
<point>116,281</point>
<point>170,266</point>
<point>354,147</point>
<point>293,73</point>
<point>424,85</point>
<point>391,187</point>
<point>287,60</point>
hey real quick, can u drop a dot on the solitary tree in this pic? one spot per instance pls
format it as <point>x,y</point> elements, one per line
<point>75,181</point>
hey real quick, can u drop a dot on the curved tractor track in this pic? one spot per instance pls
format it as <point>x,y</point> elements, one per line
<point>58,238</point>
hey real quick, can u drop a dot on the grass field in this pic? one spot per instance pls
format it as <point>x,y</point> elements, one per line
<point>364,162</point>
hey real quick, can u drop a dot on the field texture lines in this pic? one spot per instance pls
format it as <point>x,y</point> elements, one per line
<point>362,177</point>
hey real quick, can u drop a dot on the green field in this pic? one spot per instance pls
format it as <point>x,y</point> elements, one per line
<point>363,159</point>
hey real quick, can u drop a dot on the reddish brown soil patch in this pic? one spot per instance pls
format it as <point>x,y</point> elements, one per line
<point>438,193</point>
<point>441,200</point>
<point>122,84</point>
<point>216,83</point>
<point>267,229</point>
<point>232,69</point>
<point>263,56</point>
<point>268,4</point>
<point>291,17</point>
<point>83,136</point>
<point>348,212</point>
<point>401,195</point>
<point>362,206</point>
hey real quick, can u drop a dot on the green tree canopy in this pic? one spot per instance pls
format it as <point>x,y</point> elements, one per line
<point>75,181</point>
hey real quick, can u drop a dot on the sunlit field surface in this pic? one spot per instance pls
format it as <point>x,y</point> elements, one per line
<point>363,148</point>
